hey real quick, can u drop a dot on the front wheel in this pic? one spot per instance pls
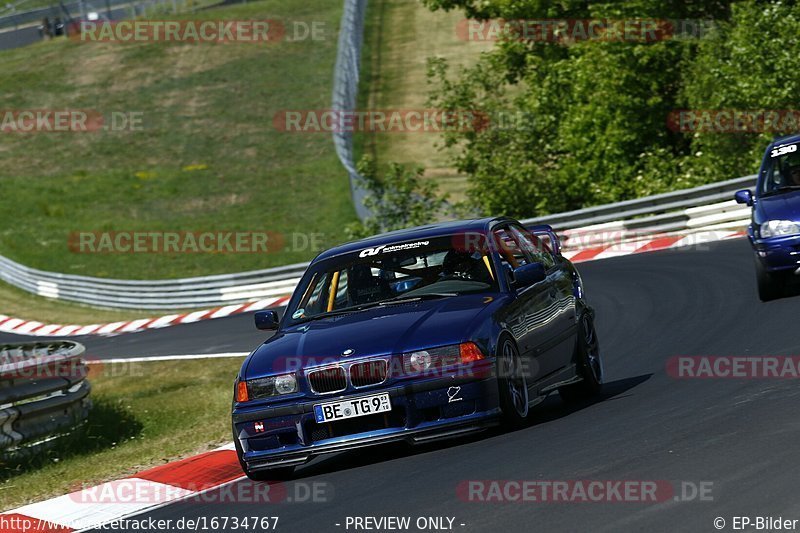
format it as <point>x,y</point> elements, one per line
<point>590,365</point>
<point>512,384</point>
<point>770,285</point>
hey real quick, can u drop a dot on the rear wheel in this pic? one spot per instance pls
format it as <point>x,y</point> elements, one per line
<point>273,474</point>
<point>590,365</point>
<point>770,285</point>
<point>512,384</point>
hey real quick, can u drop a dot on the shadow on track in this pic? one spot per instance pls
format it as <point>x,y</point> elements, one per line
<point>551,409</point>
<point>554,408</point>
<point>791,289</point>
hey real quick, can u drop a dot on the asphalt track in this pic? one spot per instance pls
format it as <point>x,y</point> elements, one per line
<point>234,333</point>
<point>739,434</point>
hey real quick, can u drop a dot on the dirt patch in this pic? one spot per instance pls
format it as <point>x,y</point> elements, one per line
<point>213,203</point>
<point>97,65</point>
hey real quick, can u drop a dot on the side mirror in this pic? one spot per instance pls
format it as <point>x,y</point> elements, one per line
<point>266,319</point>
<point>744,197</point>
<point>529,274</point>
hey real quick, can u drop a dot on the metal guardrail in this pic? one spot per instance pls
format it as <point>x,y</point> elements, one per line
<point>43,394</point>
<point>182,293</point>
<point>681,211</point>
<point>708,207</point>
<point>648,205</point>
<point>345,92</point>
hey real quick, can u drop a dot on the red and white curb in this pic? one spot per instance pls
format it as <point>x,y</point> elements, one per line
<point>652,244</point>
<point>23,327</point>
<point>30,327</point>
<point>89,508</point>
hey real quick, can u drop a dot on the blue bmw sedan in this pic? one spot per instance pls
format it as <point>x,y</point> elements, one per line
<point>775,229</point>
<point>415,335</point>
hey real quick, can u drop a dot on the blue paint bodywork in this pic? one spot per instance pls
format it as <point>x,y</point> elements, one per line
<point>779,253</point>
<point>542,320</point>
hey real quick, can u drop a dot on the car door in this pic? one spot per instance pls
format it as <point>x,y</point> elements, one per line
<point>556,350</point>
<point>530,315</point>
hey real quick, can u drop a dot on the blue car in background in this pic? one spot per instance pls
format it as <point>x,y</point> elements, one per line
<point>415,335</point>
<point>775,229</point>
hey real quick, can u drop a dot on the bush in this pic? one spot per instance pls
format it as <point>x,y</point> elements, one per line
<point>400,199</point>
<point>596,114</point>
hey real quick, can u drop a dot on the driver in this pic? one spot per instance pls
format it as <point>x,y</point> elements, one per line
<point>363,287</point>
<point>793,170</point>
<point>464,265</point>
<point>794,176</point>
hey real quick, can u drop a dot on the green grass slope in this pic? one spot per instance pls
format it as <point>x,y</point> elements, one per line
<point>207,158</point>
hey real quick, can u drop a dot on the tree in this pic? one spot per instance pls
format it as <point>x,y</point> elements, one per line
<point>749,64</point>
<point>592,114</point>
<point>399,199</point>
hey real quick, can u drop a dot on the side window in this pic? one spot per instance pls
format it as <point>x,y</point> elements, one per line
<point>315,300</point>
<point>511,254</point>
<point>342,294</point>
<point>534,246</point>
<point>773,177</point>
<point>318,298</point>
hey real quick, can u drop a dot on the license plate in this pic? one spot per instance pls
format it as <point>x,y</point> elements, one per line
<point>352,408</point>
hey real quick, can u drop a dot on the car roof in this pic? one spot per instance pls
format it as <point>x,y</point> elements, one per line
<point>430,231</point>
<point>786,139</point>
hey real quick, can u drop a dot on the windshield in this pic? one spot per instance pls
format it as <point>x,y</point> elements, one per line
<point>782,172</point>
<point>374,276</point>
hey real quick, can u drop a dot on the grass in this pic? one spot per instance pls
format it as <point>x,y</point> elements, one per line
<point>207,158</point>
<point>135,424</point>
<point>400,36</point>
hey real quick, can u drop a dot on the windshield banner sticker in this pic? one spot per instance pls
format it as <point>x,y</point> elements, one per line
<point>393,248</point>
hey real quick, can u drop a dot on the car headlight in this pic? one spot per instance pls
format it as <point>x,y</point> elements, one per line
<point>777,228</point>
<point>285,384</point>
<point>253,389</point>
<point>434,358</point>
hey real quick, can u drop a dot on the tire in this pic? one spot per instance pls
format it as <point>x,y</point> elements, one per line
<point>273,474</point>
<point>512,384</point>
<point>588,360</point>
<point>770,285</point>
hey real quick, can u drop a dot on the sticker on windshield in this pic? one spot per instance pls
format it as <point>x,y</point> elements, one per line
<point>298,314</point>
<point>386,249</point>
<point>783,150</point>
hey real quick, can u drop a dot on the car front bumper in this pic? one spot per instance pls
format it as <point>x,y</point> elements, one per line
<point>779,253</point>
<point>422,411</point>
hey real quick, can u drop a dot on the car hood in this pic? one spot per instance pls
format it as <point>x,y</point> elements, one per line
<point>377,331</point>
<point>780,207</point>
